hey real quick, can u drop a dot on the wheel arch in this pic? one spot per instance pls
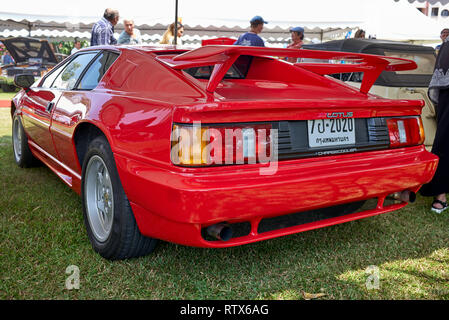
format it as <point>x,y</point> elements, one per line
<point>84,133</point>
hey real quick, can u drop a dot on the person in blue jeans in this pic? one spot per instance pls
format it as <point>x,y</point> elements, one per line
<point>251,38</point>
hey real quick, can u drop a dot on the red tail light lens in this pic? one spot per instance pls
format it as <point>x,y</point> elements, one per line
<point>407,131</point>
<point>219,145</point>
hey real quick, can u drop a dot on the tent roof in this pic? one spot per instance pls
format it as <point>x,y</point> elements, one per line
<point>443,2</point>
<point>324,19</point>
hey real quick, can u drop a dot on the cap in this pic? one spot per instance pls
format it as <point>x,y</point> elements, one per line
<point>257,19</point>
<point>297,29</point>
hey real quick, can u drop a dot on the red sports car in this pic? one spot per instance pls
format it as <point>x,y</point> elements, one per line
<point>219,146</point>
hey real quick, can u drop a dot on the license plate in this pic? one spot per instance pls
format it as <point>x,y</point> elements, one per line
<point>331,132</point>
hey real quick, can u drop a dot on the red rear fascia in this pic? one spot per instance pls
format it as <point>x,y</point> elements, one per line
<point>181,202</point>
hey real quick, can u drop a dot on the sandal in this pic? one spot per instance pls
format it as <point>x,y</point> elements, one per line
<point>439,210</point>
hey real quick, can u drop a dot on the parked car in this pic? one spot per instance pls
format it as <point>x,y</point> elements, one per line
<point>31,56</point>
<point>218,146</point>
<point>407,84</point>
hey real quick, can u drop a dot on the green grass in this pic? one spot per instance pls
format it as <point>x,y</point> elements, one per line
<point>7,95</point>
<point>42,233</point>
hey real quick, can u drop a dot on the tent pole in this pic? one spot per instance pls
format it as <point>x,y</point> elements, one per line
<point>176,22</point>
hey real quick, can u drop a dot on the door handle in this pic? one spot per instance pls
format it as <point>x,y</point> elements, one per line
<point>50,106</point>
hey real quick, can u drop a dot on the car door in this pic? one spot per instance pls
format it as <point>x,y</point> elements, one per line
<point>74,103</point>
<point>49,93</point>
<point>36,111</point>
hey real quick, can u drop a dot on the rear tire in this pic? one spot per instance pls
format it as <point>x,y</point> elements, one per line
<point>110,223</point>
<point>22,153</point>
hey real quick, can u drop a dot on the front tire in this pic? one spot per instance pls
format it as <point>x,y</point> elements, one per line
<point>22,153</point>
<point>109,220</point>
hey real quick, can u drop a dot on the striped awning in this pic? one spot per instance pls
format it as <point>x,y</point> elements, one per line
<point>322,19</point>
<point>443,2</point>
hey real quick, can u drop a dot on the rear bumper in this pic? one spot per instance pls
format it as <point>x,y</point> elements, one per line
<point>175,205</point>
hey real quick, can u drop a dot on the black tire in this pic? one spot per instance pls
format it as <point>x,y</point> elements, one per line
<point>109,220</point>
<point>21,151</point>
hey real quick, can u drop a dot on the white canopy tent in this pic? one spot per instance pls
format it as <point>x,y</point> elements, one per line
<point>322,19</point>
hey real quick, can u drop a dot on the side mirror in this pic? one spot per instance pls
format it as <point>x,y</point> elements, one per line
<point>24,81</point>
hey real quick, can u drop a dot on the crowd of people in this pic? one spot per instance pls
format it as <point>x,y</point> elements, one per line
<point>103,34</point>
<point>103,31</point>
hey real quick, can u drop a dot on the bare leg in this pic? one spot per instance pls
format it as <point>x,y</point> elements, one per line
<point>441,197</point>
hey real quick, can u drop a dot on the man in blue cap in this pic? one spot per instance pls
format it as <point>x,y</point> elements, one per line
<point>251,38</point>
<point>297,41</point>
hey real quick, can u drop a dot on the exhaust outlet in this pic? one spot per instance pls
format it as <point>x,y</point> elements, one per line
<point>404,196</point>
<point>220,231</point>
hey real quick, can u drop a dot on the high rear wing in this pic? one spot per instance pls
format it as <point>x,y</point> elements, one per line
<point>223,57</point>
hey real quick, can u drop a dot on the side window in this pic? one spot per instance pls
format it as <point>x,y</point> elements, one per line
<point>48,81</point>
<point>68,77</point>
<point>97,70</point>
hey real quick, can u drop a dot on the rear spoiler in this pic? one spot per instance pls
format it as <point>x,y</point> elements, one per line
<point>223,57</point>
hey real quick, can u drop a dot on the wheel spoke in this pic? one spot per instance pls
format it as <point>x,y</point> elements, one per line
<point>100,178</point>
<point>100,205</point>
<point>17,140</point>
<point>19,135</point>
<point>107,179</point>
<point>99,198</point>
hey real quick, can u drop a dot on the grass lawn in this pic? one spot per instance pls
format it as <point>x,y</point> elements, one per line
<point>7,95</point>
<point>42,233</point>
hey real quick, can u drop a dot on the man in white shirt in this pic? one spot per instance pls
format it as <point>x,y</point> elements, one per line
<point>77,46</point>
<point>130,35</point>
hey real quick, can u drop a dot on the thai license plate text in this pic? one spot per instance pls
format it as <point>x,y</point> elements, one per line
<point>331,132</point>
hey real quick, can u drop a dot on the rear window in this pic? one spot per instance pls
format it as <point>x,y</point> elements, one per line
<point>238,70</point>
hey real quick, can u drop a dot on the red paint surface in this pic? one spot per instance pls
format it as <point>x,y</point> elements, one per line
<point>139,99</point>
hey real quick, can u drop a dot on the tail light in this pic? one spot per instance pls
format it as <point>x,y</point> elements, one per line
<point>407,131</point>
<point>195,145</point>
